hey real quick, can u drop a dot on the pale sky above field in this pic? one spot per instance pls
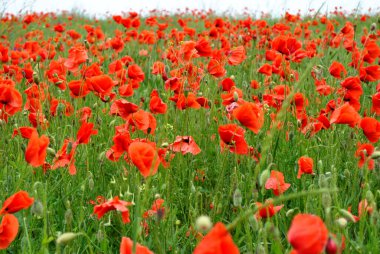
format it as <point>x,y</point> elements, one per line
<point>101,7</point>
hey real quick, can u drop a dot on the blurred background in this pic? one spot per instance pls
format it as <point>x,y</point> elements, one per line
<point>233,7</point>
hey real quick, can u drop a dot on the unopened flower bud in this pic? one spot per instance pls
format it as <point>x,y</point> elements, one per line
<point>331,247</point>
<point>264,177</point>
<point>37,209</point>
<point>373,27</point>
<point>203,223</point>
<point>289,212</point>
<point>341,222</point>
<point>65,238</point>
<point>236,96</point>
<point>165,145</point>
<point>347,215</point>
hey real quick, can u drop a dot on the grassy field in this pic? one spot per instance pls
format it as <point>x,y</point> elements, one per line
<point>261,132</point>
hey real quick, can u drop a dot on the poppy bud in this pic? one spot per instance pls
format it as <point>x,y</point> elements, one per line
<point>112,123</point>
<point>347,215</point>
<point>165,145</point>
<point>236,96</point>
<point>341,222</point>
<point>375,155</point>
<point>50,151</point>
<point>331,247</point>
<point>37,209</point>
<point>203,223</point>
<point>237,198</point>
<point>65,238</point>
<point>178,222</point>
<point>264,176</point>
<point>289,212</point>
<point>86,44</point>
<point>373,27</point>
<point>101,156</point>
<point>36,78</point>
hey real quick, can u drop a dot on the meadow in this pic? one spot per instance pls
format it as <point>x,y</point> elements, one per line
<point>189,133</point>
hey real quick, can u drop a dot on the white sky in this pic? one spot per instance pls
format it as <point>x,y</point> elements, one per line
<point>101,7</point>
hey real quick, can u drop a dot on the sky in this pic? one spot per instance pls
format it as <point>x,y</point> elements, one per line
<point>104,7</point>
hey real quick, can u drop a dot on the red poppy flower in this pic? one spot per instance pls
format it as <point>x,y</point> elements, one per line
<point>126,247</point>
<point>308,234</point>
<point>25,132</point>
<point>78,88</point>
<point>250,115</point>
<point>35,153</point>
<point>143,121</point>
<point>157,209</point>
<point>371,128</point>
<point>185,144</point>
<point>276,182</point>
<point>217,241</point>
<point>376,103</point>
<point>337,70</point>
<point>232,136</point>
<point>114,204</point>
<point>364,207</point>
<point>345,114</point>
<point>216,69</point>
<point>10,100</point>
<point>136,73</point>
<point>268,211</point>
<point>77,56</point>
<point>370,73</point>
<point>156,105</point>
<point>364,152</point>
<point>65,156</point>
<point>85,132</point>
<point>8,230</point>
<point>305,166</point>
<point>101,85</point>
<point>265,69</point>
<point>144,157</point>
<point>16,202</point>
<point>236,55</point>
<point>123,108</point>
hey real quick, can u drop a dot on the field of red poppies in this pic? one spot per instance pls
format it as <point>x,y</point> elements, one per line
<point>189,133</point>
